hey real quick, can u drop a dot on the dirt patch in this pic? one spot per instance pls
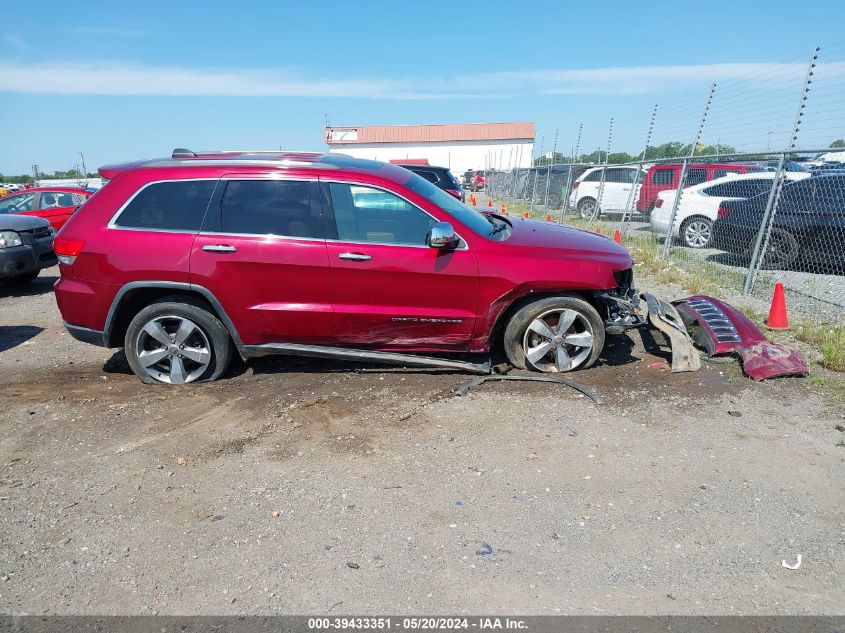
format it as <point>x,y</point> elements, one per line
<point>122,498</point>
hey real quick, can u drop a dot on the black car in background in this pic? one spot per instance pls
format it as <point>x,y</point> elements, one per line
<point>26,246</point>
<point>809,225</point>
<point>440,177</point>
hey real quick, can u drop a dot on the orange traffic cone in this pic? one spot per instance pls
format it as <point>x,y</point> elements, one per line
<point>504,211</point>
<point>617,237</point>
<point>548,217</point>
<point>489,203</point>
<point>526,215</point>
<point>777,313</point>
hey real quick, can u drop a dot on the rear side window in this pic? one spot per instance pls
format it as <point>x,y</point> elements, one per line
<point>594,176</point>
<point>269,207</point>
<point>663,177</point>
<point>696,177</point>
<point>168,206</point>
<point>621,175</point>
<point>740,188</point>
<point>724,172</point>
<point>429,175</point>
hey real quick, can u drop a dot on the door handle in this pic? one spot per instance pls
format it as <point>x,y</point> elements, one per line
<point>219,248</point>
<point>355,257</point>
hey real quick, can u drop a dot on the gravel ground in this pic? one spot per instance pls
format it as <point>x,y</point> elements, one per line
<point>299,486</point>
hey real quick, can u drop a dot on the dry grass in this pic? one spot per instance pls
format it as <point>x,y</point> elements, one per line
<point>829,339</point>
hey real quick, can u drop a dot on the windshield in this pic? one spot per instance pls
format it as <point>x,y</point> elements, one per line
<point>476,221</point>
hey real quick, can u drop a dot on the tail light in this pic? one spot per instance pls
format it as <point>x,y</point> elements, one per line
<point>723,212</point>
<point>67,248</point>
<point>658,203</point>
<point>575,185</point>
<point>454,192</point>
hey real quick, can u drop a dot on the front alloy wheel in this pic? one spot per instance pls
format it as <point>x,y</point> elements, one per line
<point>173,349</point>
<point>558,340</point>
<point>554,334</point>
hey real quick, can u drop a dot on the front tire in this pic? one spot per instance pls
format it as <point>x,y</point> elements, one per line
<point>176,341</point>
<point>554,335</point>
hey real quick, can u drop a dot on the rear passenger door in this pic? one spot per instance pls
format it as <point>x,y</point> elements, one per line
<point>262,253</point>
<point>617,188</point>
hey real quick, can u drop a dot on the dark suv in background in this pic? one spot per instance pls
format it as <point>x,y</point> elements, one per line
<point>440,177</point>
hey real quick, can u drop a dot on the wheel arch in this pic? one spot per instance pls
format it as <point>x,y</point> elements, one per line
<point>497,332</point>
<point>136,295</point>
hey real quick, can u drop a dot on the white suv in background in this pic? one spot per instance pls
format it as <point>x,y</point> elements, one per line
<point>618,192</point>
<point>699,204</point>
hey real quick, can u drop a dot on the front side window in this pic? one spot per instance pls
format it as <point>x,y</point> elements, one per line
<point>18,204</point>
<point>168,206</point>
<point>55,199</point>
<point>269,207</point>
<point>470,218</point>
<point>366,214</point>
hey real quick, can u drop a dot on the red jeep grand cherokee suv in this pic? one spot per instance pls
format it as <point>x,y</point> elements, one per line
<point>188,260</point>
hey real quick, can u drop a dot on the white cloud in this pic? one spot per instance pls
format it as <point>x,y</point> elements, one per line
<point>120,78</point>
<point>15,41</point>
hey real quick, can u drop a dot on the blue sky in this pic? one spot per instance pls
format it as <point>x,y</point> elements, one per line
<point>121,81</point>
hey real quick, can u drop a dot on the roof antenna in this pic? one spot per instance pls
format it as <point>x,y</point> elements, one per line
<point>180,153</point>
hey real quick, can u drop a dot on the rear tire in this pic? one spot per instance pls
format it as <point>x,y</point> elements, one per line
<point>782,252</point>
<point>20,280</point>
<point>696,232</point>
<point>556,334</point>
<point>177,340</point>
<point>587,209</point>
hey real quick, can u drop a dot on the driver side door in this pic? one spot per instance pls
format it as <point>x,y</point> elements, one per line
<point>389,289</point>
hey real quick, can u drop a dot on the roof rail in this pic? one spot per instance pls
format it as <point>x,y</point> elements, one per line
<point>181,152</point>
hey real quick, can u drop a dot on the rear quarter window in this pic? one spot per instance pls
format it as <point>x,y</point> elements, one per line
<point>168,206</point>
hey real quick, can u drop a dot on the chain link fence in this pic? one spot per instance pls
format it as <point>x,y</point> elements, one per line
<point>734,216</point>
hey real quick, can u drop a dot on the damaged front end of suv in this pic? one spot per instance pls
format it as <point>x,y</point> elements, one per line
<point>625,309</point>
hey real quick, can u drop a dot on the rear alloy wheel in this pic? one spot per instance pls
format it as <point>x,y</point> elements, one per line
<point>176,343</point>
<point>555,335</point>
<point>587,209</point>
<point>782,250</point>
<point>697,232</point>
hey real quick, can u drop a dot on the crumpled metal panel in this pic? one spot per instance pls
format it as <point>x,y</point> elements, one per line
<point>770,360</point>
<point>720,328</point>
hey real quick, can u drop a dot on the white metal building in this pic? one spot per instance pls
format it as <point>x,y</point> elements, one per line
<point>458,147</point>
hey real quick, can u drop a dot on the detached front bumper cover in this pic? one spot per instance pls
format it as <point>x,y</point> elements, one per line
<point>720,328</point>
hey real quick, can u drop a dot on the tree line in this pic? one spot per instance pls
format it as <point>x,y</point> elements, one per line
<point>673,149</point>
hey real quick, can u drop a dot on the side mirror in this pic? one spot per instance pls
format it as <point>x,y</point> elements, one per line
<point>442,235</point>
